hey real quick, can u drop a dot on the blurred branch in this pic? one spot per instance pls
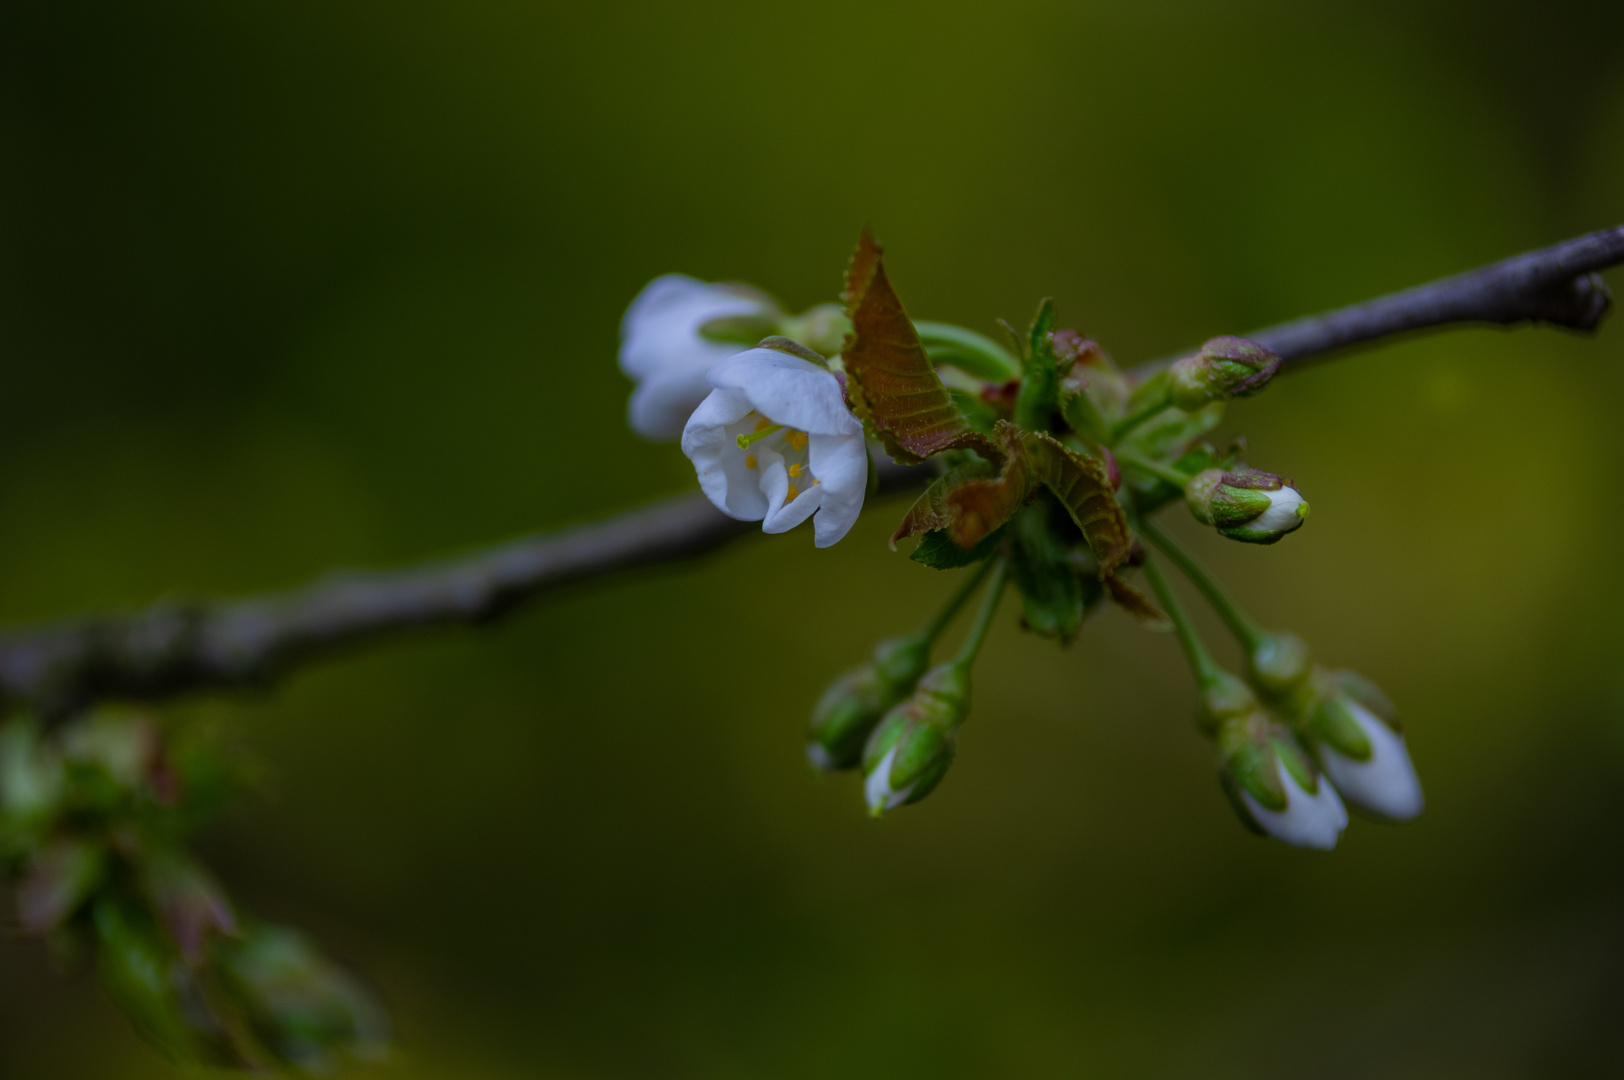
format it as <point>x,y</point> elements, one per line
<point>1556,285</point>
<point>173,648</point>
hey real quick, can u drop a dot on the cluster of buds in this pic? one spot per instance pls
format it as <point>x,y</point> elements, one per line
<point>1050,462</point>
<point>94,814</point>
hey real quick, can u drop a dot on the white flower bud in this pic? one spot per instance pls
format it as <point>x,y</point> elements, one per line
<point>1310,819</point>
<point>1384,782</point>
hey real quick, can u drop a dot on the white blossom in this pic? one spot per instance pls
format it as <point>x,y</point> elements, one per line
<point>775,442</point>
<point>1385,784</point>
<point>1309,820</point>
<point>662,349</point>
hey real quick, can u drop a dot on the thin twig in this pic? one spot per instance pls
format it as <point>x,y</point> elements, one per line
<point>1556,285</point>
<point>173,648</point>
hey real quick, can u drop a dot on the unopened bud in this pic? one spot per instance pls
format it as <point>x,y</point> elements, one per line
<point>1247,504</point>
<point>1225,367</point>
<point>1279,666</point>
<point>1361,749</point>
<point>914,744</point>
<point>851,706</point>
<point>822,328</point>
<point>1273,785</point>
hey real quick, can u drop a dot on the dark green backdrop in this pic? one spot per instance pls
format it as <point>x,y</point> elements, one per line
<point>284,286</point>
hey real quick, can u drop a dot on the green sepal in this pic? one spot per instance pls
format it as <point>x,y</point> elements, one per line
<point>1041,566</point>
<point>1248,754</point>
<point>1333,724</point>
<point>936,549</point>
<point>743,330</point>
<point>1039,397</point>
<point>1295,762</point>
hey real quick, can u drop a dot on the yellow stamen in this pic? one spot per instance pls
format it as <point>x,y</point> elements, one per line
<point>796,439</point>
<point>816,481</point>
<point>749,461</point>
<point>763,423</point>
<point>795,468</point>
<point>792,493</point>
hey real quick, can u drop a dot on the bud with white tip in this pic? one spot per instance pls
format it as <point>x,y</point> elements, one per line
<point>1225,367</point>
<point>853,704</point>
<point>1269,780</point>
<point>1246,504</point>
<point>1360,747</point>
<point>915,742</point>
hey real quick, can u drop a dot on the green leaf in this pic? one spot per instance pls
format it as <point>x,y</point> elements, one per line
<point>1040,563</point>
<point>892,384</point>
<point>937,549</point>
<point>1040,385</point>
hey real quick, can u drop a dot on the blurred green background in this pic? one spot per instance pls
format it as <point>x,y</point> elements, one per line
<point>295,285</point>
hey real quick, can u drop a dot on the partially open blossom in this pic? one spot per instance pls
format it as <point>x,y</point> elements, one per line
<point>1366,758</point>
<point>1270,781</point>
<point>1246,504</point>
<point>775,442</point>
<point>663,348</point>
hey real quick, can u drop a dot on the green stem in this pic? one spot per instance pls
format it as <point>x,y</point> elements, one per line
<point>1201,663</point>
<point>1245,630</point>
<point>989,605</point>
<point>1156,469</point>
<point>1156,403</point>
<point>975,353</point>
<point>933,629</point>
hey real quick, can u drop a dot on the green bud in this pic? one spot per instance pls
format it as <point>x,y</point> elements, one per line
<point>305,1009</point>
<point>1279,666</point>
<point>1225,367</point>
<point>822,328</point>
<point>914,744</point>
<point>848,710</point>
<point>137,971</point>
<point>30,777</point>
<point>1246,504</point>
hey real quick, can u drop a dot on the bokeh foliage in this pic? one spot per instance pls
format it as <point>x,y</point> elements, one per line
<point>290,285</point>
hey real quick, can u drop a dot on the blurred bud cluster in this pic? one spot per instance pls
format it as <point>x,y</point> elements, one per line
<point>1049,462</point>
<point>95,815</point>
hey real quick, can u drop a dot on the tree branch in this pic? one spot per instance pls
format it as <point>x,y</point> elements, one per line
<point>169,649</point>
<point>1556,285</point>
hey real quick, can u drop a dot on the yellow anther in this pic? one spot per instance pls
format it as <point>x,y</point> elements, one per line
<point>796,439</point>
<point>749,461</point>
<point>792,493</point>
<point>816,481</point>
<point>795,468</point>
<point>763,423</point>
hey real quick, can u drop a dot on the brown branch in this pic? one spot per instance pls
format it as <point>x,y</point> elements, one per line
<point>173,648</point>
<point>1556,285</point>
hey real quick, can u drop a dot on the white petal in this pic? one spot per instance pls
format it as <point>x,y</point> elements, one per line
<point>731,485</point>
<point>1309,821</point>
<point>788,390</point>
<point>877,786</point>
<point>662,403</point>
<point>1386,784</point>
<point>661,327</point>
<point>840,462</point>
<point>819,758</point>
<point>1283,514</point>
<point>784,513</point>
